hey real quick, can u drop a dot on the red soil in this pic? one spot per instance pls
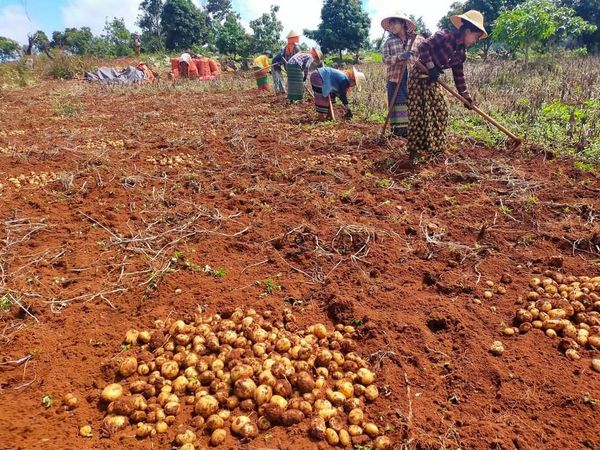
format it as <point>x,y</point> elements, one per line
<point>264,193</point>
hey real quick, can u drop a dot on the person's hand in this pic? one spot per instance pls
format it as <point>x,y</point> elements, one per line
<point>434,74</point>
<point>406,55</point>
<point>469,100</point>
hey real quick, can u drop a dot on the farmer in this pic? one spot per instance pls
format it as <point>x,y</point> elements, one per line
<point>297,70</point>
<point>292,47</point>
<point>398,56</point>
<point>261,67</point>
<point>137,44</point>
<point>277,65</point>
<point>329,83</point>
<point>180,67</point>
<point>427,107</point>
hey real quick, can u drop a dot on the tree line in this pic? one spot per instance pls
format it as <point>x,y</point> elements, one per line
<point>515,26</point>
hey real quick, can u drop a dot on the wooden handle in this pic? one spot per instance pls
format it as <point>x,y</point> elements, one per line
<point>486,116</point>
<point>331,108</point>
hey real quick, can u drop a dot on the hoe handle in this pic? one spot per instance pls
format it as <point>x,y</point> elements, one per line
<point>486,116</point>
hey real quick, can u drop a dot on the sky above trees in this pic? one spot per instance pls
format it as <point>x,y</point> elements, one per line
<point>20,17</point>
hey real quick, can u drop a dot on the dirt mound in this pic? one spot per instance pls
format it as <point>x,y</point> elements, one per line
<point>127,211</point>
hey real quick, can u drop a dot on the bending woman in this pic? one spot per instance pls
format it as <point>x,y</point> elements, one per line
<point>329,83</point>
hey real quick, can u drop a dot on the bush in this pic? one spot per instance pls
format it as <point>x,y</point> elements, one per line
<point>64,67</point>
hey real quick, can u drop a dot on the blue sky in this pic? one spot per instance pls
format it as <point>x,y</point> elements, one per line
<point>19,17</point>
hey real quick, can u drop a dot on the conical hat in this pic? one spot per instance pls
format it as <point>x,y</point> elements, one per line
<point>293,34</point>
<point>385,23</point>
<point>473,17</point>
<point>359,77</point>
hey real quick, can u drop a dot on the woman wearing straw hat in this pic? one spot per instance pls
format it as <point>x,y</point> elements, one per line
<point>427,107</point>
<point>398,56</point>
<point>297,71</point>
<point>329,83</point>
<point>291,48</point>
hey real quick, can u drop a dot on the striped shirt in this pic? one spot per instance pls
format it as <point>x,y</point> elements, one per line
<point>304,60</point>
<point>393,47</point>
<point>446,50</point>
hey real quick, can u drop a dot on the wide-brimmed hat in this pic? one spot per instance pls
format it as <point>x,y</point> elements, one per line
<point>318,52</point>
<point>359,77</point>
<point>473,17</point>
<point>293,34</point>
<point>385,23</point>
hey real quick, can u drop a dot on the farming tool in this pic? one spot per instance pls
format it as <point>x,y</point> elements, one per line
<point>397,90</point>
<point>517,141</point>
<point>331,111</point>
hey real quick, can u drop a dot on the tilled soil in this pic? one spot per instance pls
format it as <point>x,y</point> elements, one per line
<point>130,193</point>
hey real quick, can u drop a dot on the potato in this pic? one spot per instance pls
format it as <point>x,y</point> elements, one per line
<point>238,423</point>
<point>317,428</point>
<point>206,406</point>
<point>371,429</point>
<point>355,430</point>
<point>247,405</point>
<point>337,423</point>
<point>111,392</point>
<point>323,359</point>
<point>292,417</point>
<point>263,394</point>
<point>283,345</point>
<point>371,393</point>
<point>171,408</point>
<point>143,430</point>
<point>128,366</point>
<point>263,423</point>
<point>85,431</point>
<point>596,365</point>
<point>346,388</point>
<point>365,376</point>
<point>327,413</point>
<point>70,401</point>
<point>320,331</point>
<point>218,437</point>
<point>131,337</point>
<point>112,424</point>
<point>594,341</point>
<point>382,443</point>
<point>244,388</point>
<point>345,440</point>
<point>169,370</point>
<point>161,427</point>
<point>188,447</point>
<point>273,413</point>
<point>214,422</point>
<point>356,416</point>
<point>279,401</point>
<point>187,437</point>
<point>332,437</point>
<point>283,388</point>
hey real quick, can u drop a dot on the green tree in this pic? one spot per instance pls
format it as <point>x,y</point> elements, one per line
<point>118,37</point>
<point>344,26</point>
<point>232,38</point>
<point>490,9</point>
<point>421,26</point>
<point>9,49</point>
<point>78,41</point>
<point>535,21</point>
<point>37,41</point>
<point>183,25</point>
<point>266,32</point>
<point>590,11</point>
<point>149,23</point>
<point>218,10</point>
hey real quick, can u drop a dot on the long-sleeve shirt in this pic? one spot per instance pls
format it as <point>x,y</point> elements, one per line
<point>446,50</point>
<point>392,49</point>
<point>335,82</point>
<point>304,60</point>
<point>262,61</point>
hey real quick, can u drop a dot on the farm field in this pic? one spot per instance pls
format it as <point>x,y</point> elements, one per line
<point>120,207</point>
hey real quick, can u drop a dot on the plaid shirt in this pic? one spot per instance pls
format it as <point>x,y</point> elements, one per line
<point>304,60</point>
<point>446,50</point>
<point>393,47</point>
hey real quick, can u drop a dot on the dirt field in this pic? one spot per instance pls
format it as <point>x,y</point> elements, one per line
<point>129,194</point>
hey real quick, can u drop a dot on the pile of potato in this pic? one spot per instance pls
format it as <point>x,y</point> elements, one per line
<point>34,179</point>
<point>563,306</point>
<point>243,374</point>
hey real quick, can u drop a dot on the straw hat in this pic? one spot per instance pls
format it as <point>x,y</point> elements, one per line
<point>473,17</point>
<point>359,77</point>
<point>317,52</point>
<point>385,23</point>
<point>293,34</point>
